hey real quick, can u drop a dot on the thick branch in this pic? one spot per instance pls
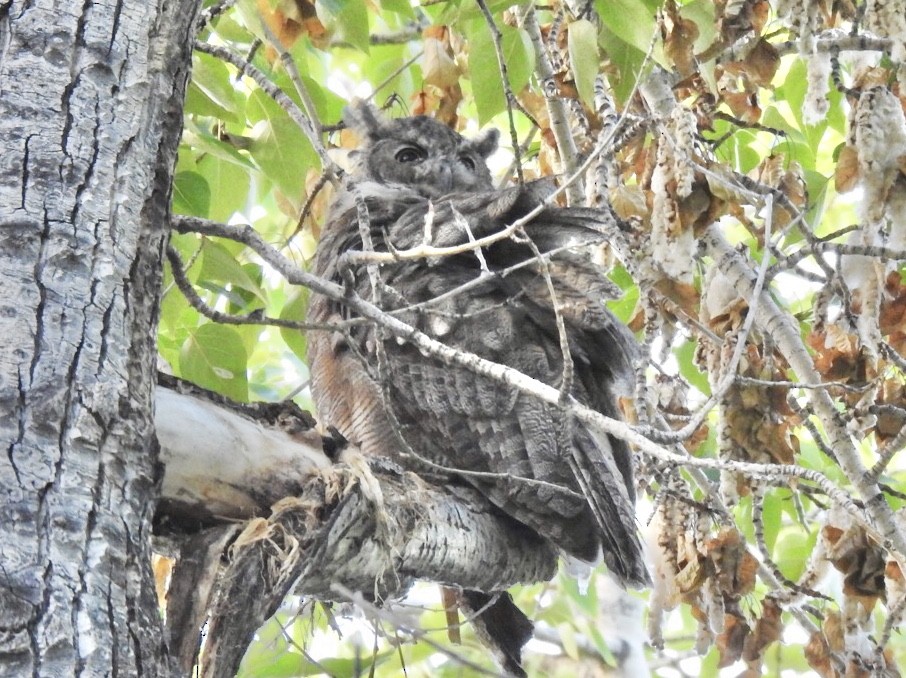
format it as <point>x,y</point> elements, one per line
<point>556,108</point>
<point>223,465</point>
<point>340,532</point>
<point>360,524</point>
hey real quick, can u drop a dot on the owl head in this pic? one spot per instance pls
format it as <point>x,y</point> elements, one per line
<point>419,152</point>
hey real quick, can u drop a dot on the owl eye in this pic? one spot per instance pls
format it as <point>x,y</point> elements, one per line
<point>411,154</point>
<point>467,162</point>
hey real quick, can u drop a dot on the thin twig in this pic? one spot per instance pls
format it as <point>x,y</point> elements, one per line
<point>285,102</point>
<point>511,101</point>
<point>253,318</point>
<point>399,623</point>
<point>506,375</point>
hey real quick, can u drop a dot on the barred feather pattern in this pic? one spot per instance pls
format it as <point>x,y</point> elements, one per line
<point>571,484</point>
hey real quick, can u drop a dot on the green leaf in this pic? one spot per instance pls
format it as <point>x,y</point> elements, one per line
<point>624,307</point>
<point>771,513</point>
<point>188,244</point>
<point>198,103</point>
<point>465,11</point>
<point>230,30</point>
<point>353,21</point>
<point>295,309</point>
<point>794,88</point>
<point>212,78</point>
<point>487,85</point>
<point>292,665</point>
<point>817,186</point>
<point>710,666</point>
<point>191,194</point>
<point>583,55</point>
<point>177,317</point>
<point>632,20</point>
<point>350,20</point>
<point>213,356</point>
<point>220,265</point>
<point>389,69</point>
<point>205,143</point>
<point>251,339</point>
<point>279,148</point>
<point>626,59</point>
<point>327,104</point>
<point>185,158</point>
<point>685,353</point>
<point>568,640</point>
<point>792,551</point>
<point>403,7</point>
<point>230,185</point>
<point>600,643</point>
<point>739,146</point>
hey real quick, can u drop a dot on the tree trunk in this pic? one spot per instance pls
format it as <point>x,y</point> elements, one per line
<point>90,116</point>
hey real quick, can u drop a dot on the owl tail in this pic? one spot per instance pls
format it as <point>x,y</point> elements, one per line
<point>611,504</point>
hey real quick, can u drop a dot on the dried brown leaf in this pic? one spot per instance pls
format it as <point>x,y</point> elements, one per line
<point>690,576</point>
<point>836,352</point>
<point>846,175</point>
<point>735,567</point>
<point>679,36</point>
<point>744,105</point>
<point>892,571</point>
<point>163,570</point>
<point>682,294</point>
<point>767,631</point>
<point>859,559</point>
<point>438,67</point>
<point>291,19</point>
<point>762,62</point>
<point>731,641</point>
<point>818,656</point>
<point>629,201</point>
<point>873,76</point>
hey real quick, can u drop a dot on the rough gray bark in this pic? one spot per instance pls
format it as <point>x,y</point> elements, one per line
<point>90,116</point>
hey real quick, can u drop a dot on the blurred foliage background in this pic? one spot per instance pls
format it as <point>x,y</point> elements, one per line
<point>747,145</point>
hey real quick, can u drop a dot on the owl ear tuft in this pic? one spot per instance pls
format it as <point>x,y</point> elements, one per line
<point>365,119</point>
<point>486,143</point>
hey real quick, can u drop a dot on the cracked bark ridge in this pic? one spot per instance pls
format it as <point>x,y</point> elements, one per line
<point>193,580</point>
<point>90,117</point>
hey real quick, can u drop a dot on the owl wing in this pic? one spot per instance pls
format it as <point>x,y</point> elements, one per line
<point>568,483</point>
<point>551,472</point>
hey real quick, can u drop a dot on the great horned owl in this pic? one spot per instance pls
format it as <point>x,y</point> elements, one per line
<point>417,182</point>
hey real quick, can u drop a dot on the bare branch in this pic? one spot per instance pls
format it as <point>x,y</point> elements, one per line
<point>559,116</point>
<point>511,377</point>
<point>785,332</point>
<point>511,100</point>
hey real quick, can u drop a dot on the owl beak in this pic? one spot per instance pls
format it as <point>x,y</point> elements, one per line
<point>443,178</point>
